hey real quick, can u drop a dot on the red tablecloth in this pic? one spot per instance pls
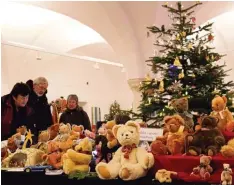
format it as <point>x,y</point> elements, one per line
<point>228,135</point>
<point>185,164</point>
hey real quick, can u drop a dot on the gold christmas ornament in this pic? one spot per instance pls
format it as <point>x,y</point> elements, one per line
<point>161,86</point>
<point>148,79</point>
<point>177,62</point>
<point>178,37</point>
<point>212,57</point>
<point>189,46</point>
<point>183,34</point>
<point>181,75</point>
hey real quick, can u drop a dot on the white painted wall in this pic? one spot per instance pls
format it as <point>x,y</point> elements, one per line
<point>67,75</point>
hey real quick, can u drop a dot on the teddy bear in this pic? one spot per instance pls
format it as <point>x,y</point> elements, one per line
<point>226,175</point>
<point>64,132</point>
<point>79,158</point>
<point>53,131</point>
<point>208,140</point>
<point>89,134</point>
<point>69,143</point>
<point>174,139</point>
<point>164,176</point>
<point>129,161</point>
<point>204,170</point>
<point>53,156</point>
<point>112,141</point>
<point>221,112</point>
<point>228,150</point>
<point>158,148</point>
<point>181,107</point>
<point>43,138</point>
<point>78,129</point>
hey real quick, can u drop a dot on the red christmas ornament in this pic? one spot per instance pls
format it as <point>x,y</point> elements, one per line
<point>193,19</point>
<point>210,37</point>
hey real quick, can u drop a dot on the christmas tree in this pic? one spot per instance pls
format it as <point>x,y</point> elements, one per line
<point>185,66</point>
<point>115,110</point>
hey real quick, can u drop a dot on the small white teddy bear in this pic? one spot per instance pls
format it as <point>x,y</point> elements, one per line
<point>129,162</point>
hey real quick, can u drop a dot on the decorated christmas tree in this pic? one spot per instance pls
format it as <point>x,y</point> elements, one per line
<point>115,110</point>
<point>185,65</point>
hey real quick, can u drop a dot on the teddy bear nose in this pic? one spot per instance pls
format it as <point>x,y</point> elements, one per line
<point>126,134</point>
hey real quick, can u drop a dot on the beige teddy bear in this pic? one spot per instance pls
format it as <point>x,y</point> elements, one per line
<point>64,132</point>
<point>226,175</point>
<point>164,176</point>
<point>129,162</point>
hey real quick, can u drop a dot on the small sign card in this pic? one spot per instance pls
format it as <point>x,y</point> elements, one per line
<point>149,134</point>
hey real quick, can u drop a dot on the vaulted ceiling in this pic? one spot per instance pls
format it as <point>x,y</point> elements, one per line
<point>116,28</point>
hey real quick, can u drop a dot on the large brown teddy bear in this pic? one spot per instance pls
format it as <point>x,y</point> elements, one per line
<point>208,140</point>
<point>173,139</point>
<point>221,112</point>
<point>181,107</point>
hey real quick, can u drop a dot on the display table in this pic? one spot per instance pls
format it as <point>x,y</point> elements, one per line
<point>39,178</point>
<point>185,164</point>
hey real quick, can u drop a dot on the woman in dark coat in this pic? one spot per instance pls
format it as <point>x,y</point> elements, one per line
<point>75,114</point>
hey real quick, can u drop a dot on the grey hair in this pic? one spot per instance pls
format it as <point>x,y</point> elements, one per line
<point>40,80</point>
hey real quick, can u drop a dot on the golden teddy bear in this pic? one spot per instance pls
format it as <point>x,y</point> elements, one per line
<point>112,141</point>
<point>78,159</point>
<point>221,112</point>
<point>228,150</point>
<point>174,138</point>
<point>129,161</point>
<point>164,176</point>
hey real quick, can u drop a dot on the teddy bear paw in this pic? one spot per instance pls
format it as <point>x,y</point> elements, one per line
<point>210,152</point>
<point>192,152</point>
<point>125,173</point>
<point>149,161</point>
<point>103,172</point>
<point>207,175</point>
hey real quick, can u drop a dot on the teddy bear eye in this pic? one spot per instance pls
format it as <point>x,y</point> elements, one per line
<point>122,134</point>
<point>131,132</point>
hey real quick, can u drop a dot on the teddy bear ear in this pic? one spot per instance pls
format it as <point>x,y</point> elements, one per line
<point>82,128</point>
<point>224,99</point>
<point>167,118</point>
<point>115,129</point>
<point>133,124</point>
<point>69,126</point>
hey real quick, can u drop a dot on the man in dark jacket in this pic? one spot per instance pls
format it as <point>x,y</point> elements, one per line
<point>38,101</point>
<point>15,111</point>
<point>74,114</point>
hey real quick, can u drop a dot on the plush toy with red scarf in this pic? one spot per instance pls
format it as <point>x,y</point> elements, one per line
<point>130,162</point>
